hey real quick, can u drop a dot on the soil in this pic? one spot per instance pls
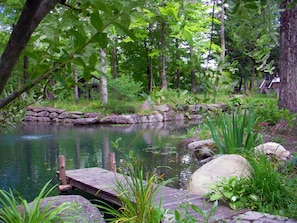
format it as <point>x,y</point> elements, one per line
<point>283,134</point>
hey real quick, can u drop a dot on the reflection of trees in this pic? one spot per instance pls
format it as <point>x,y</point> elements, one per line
<point>28,155</point>
<point>105,150</point>
<point>77,157</point>
<point>33,163</point>
<point>52,154</point>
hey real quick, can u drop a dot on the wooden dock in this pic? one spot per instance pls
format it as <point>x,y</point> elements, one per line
<point>100,182</point>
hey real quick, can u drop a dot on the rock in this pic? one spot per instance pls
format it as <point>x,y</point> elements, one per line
<point>118,119</point>
<point>274,149</point>
<point>202,149</point>
<point>162,108</point>
<point>85,121</point>
<point>146,106</point>
<point>187,141</point>
<point>214,171</point>
<point>201,143</point>
<point>203,153</point>
<point>78,206</point>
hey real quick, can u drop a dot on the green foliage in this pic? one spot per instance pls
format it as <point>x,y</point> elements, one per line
<point>233,191</point>
<point>137,192</point>
<point>17,210</point>
<point>8,121</point>
<point>120,107</point>
<point>271,186</point>
<point>267,111</point>
<point>125,88</point>
<point>183,214</point>
<point>234,133</point>
<point>157,96</point>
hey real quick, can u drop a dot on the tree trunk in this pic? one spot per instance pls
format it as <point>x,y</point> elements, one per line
<point>252,82</point>
<point>114,60</point>
<point>76,91</point>
<point>163,58</point>
<point>103,79</point>
<point>149,67</point>
<point>222,35</point>
<point>193,75</point>
<point>177,72</point>
<point>288,58</point>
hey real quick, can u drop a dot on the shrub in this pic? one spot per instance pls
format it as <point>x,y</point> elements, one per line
<point>124,88</point>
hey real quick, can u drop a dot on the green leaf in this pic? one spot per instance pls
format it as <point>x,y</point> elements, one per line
<point>96,21</point>
<point>93,60</point>
<point>187,35</point>
<point>215,197</point>
<point>251,6</point>
<point>228,194</point>
<point>125,30</point>
<point>80,39</point>
<point>233,205</point>
<point>177,215</point>
<point>100,38</point>
<point>100,5</point>
<point>79,61</point>
<point>60,79</point>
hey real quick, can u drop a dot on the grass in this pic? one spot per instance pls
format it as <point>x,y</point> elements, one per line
<point>273,188</point>
<point>137,193</point>
<point>17,210</point>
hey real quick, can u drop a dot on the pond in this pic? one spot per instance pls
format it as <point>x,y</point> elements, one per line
<point>29,155</point>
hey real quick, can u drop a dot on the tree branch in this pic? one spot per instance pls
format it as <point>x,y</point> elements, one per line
<point>33,13</point>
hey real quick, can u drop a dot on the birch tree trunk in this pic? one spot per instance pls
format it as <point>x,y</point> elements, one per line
<point>103,79</point>
<point>76,91</point>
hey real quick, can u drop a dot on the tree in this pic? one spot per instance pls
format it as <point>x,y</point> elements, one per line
<point>251,34</point>
<point>55,55</point>
<point>31,16</point>
<point>288,57</point>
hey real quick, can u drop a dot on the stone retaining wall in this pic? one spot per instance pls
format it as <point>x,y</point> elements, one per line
<point>53,115</point>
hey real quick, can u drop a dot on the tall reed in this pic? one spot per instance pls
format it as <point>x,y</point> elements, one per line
<point>234,132</point>
<point>137,192</point>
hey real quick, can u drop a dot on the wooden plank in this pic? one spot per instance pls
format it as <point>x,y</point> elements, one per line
<point>101,183</point>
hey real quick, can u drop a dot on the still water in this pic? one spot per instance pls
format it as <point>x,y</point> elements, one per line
<point>28,156</point>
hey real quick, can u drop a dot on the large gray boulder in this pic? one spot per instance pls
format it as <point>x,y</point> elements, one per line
<point>214,171</point>
<point>80,209</point>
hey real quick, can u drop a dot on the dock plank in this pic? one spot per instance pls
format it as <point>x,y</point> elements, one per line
<point>101,183</point>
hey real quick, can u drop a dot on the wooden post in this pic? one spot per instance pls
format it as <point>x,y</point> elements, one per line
<point>112,162</point>
<point>62,174</point>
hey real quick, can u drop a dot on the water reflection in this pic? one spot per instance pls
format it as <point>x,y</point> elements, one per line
<point>28,156</point>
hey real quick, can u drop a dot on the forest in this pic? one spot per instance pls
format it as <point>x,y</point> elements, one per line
<point>113,51</point>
